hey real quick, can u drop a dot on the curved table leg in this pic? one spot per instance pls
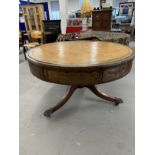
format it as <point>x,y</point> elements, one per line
<point>104,96</point>
<point>67,95</point>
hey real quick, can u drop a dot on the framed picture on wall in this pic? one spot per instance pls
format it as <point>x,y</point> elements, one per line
<point>126,8</point>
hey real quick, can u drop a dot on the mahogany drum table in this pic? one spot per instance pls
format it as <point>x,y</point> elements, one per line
<point>80,64</point>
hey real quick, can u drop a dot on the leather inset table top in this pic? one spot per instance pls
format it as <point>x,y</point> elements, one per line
<point>80,53</point>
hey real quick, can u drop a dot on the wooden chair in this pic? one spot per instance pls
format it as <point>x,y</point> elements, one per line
<point>35,39</point>
<point>21,42</point>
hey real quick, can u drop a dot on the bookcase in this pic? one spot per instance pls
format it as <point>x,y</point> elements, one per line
<point>33,16</point>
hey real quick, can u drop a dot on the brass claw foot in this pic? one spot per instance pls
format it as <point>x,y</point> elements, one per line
<point>71,90</point>
<point>104,96</point>
<point>118,101</point>
<point>48,113</point>
<point>62,102</point>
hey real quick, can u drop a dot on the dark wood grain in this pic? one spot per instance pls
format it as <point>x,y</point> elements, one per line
<point>57,63</point>
<point>64,70</point>
<point>65,98</point>
<point>101,20</point>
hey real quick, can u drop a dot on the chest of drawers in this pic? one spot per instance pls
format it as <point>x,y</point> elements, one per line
<point>101,20</point>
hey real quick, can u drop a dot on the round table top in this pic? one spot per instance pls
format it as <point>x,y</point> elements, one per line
<point>79,53</point>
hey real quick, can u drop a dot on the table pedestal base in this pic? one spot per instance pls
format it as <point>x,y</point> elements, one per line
<point>71,90</point>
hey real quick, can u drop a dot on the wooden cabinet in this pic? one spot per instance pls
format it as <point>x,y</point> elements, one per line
<point>33,16</point>
<point>52,28</point>
<point>101,20</point>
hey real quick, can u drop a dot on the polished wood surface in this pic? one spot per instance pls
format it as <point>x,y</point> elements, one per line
<point>64,99</point>
<point>80,64</point>
<point>80,53</point>
<point>71,90</point>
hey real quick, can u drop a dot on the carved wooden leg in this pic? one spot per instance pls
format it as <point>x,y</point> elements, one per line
<point>67,95</point>
<point>104,96</point>
<point>24,51</point>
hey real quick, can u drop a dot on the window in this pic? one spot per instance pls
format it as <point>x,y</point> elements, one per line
<point>55,13</point>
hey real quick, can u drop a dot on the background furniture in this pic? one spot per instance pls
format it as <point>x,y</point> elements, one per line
<point>36,37</point>
<point>117,37</point>
<point>74,25</point>
<point>80,64</point>
<point>101,20</point>
<point>51,28</point>
<point>73,29</point>
<point>126,8</point>
<point>21,41</point>
<point>125,17</point>
<point>21,18</point>
<point>33,16</point>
